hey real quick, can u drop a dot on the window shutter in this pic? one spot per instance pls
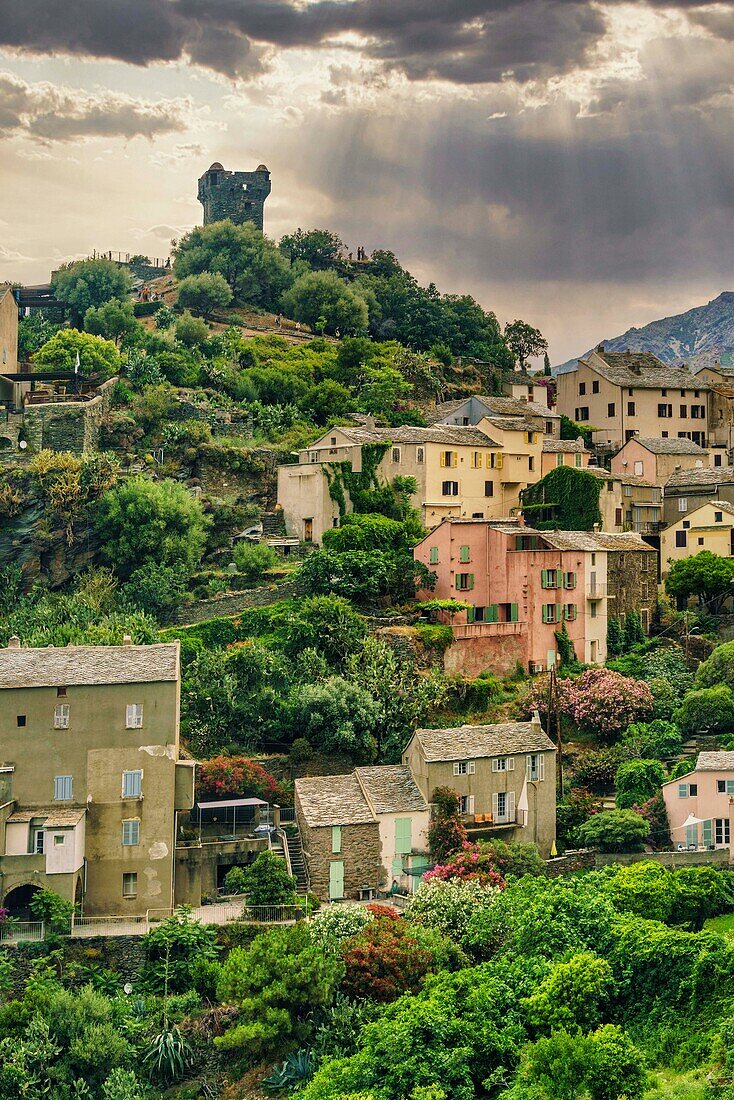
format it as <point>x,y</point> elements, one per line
<point>544,610</point>
<point>559,578</point>
<point>454,458</point>
<point>495,764</point>
<point>470,804</point>
<point>443,458</point>
<point>464,553</point>
<point>470,581</point>
<point>707,831</point>
<point>510,805</point>
<point>132,784</point>
<point>500,460</point>
<point>495,804</point>
<point>682,790</point>
<point>336,839</point>
<point>730,786</point>
<point>541,767</point>
<point>544,578</point>
<point>493,613</point>
<point>510,763</point>
<point>471,614</point>
<point>456,769</point>
<point>514,613</point>
<point>529,766</point>
<point>471,767</point>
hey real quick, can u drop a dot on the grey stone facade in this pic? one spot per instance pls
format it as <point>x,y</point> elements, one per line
<point>360,853</point>
<point>632,585</point>
<point>237,196</point>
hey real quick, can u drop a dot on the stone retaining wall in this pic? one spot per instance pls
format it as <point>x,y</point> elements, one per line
<point>202,610</point>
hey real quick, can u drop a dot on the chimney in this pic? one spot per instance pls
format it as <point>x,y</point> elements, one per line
<point>126,639</point>
<point>370,421</point>
<point>535,720</point>
<point>600,348</point>
<point>14,642</point>
<point>596,528</point>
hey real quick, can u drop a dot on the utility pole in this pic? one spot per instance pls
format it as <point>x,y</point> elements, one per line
<point>554,724</point>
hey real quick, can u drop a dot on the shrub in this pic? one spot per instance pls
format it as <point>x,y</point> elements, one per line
<point>172,949</point>
<point>637,781</point>
<point>446,833</point>
<point>596,768</point>
<point>234,777</point>
<point>656,740</point>
<point>254,559</point>
<point>331,926</point>
<point>614,831</point>
<point>267,882</point>
<point>204,293</point>
<point>472,861</point>
<point>337,716</point>
<point>449,906</point>
<point>383,961</point>
<point>191,330</point>
<point>571,995</point>
<point>235,881</point>
<point>718,669</point>
<point>709,710</point>
<point>606,703</point>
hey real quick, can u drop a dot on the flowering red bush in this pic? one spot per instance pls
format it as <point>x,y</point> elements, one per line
<point>235,777</point>
<point>384,961</point>
<point>471,862</point>
<point>383,912</point>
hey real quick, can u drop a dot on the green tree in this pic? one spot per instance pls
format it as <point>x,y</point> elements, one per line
<point>616,1067</point>
<point>633,632</point>
<point>191,331</point>
<point>204,293</point>
<point>155,589</point>
<point>337,716</point>
<point>710,710</point>
<point>645,890</point>
<point>141,520</point>
<point>656,740</point>
<point>614,831</point>
<point>524,341</point>
<point>172,949</point>
<point>706,575</point>
<point>638,780</point>
<point>85,283</point>
<point>553,1068</point>
<point>96,356</point>
<point>615,637</point>
<point>113,320</point>
<point>546,365</point>
<point>267,882</point>
<point>254,559</point>
<point>277,986</point>
<point>254,269</point>
<point>322,294</point>
<point>718,669</point>
<point>328,624</point>
<point>319,248</point>
<point>571,996</point>
<point>701,893</point>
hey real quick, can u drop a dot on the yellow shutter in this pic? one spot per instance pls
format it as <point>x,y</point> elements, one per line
<point>500,461</point>
<point>454,458</point>
<point>443,458</point>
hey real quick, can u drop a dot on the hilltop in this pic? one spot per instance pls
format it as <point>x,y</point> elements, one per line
<point>696,337</point>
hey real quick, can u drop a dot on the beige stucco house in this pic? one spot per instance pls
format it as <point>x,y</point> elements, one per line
<point>563,452</point>
<point>705,796</point>
<point>467,470</point>
<point>656,460</point>
<point>90,775</point>
<point>362,833</point>
<point>624,394</point>
<point>523,386</point>
<point>708,527</point>
<point>504,774</point>
<point>8,344</point>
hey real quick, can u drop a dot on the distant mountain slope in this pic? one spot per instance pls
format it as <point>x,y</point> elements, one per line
<point>697,337</point>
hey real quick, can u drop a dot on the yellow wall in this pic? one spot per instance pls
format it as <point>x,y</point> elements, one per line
<point>703,533</point>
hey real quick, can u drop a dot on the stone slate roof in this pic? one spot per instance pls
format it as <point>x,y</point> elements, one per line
<point>501,406</point>
<point>84,665</point>
<point>521,377</point>
<point>624,479</point>
<point>333,800</point>
<point>563,446</point>
<point>56,817</point>
<point>596,540</point>
<point>642,370</point>
<point>391,789</point>
<point>715,761</point>
<point>670,446</point>
<point>512,424</point>
<point>460,434</point>
<point>476,742</point>
<point>700,475</point>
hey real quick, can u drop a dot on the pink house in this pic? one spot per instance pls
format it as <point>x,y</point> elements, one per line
<point>700,803</point>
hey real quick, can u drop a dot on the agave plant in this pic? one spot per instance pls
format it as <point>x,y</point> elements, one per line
<point>295,1070</point>
<point>167,1056</point>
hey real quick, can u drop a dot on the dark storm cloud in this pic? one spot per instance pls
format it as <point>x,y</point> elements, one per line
<point>461,41</point>
<point>47,113</point>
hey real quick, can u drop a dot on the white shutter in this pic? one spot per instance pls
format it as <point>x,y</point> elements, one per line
<point>470,804</point>
<point>132,784</point>
<point>456,769</point>
<point>495,806</point>
<point>510,805</point>
<point>510,763</point>
<point>541,767</point>
<point>495,764</point>
<point>471,767</point>
<point>134,716</point>
<point>528,767</point>
<point>61,716</point>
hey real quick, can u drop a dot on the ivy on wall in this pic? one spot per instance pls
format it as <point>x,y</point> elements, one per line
<point>365,491</point>
<point>566,499</point>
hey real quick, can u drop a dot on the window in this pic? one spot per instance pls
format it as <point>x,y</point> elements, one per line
<point>20,721</point>
<point>476,460</point>
<point>559,460</point>
<point>696,393</point>
<point>130,885</point>
<point>592,609</point>
<point>433,555</point>
<point>569,612</point>
<point>549,613</point>
<point>531,463</point>
<point>503,806</point>
<point>682,504</point>
<point>594,387</point>
<point>131,832</point>
<point>419,454</point>
<point>663,393</point>
<point>627,490</point>
<point>134,716</point>
<point>611,409</point>
<point>683,412</point>
<point>132,784</point>
<point>39,838</point>
<point>336,839</point>
<point>701,541</point>
<point>535,767</point>
<point>551,578</point>
<point>396,454</point>
<point>617,517</point>
<point>503,764</point>
<point>60,693</point>
<point>718,516</point>
<point>630,392</point>
<point>664,435</point>
<point>489,488</point>
<point>59,839</point>
<point>687,790</point>
<point>722,830</point>
<point>494,460</point>
<point>549,427</point>
<point>630,408</point>
<point>681,539</point>
<point>582,389</point>
<point>63,788</point>
<point>449,458</point>
<point>464,767</point>
<point>725,786</point>
<point>61,716</point>
<point>578,461</point>
<point>450,488</point>
<point>403,836</point>
<point>464,582</point>
<point>693,789</point>
<point>686,524</point>
<point>582,413</point>
<point>466,804</point>
<point>569,580</point>
<point>717,460</point>
<point>333,441</point>
<point>665,412</point>
<point>530,437</point>
<point>464,555</point>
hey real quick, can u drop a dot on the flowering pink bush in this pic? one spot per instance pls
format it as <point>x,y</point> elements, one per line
<point>469,863</point>
<point>606,703</point>
<point>4,914</point>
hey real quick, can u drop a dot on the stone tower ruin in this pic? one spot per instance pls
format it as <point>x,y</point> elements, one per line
<point>239,196</point>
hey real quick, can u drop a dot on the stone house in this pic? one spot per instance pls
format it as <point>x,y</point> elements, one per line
<point>686,490</point>
<point>504,774</point>
<point>471,410</point>
<point>91,775</point>
<point>563,452</point>
<point>703,797</point>
<point>465,470</point>
<point>708,527</point>
<point>656,460</point>
<point>363,832</point>
<point>624,394</point>
<point>523,585</point>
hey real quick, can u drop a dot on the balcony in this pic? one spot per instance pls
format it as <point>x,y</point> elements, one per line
<point>462,631</point>
<point>596,591</point>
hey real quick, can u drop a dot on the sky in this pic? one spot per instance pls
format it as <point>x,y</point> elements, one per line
<point>566,162</point>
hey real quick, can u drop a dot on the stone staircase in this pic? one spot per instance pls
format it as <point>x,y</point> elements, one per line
<point>701,743</point>
<point>273,524</point>
<point>297,859</point>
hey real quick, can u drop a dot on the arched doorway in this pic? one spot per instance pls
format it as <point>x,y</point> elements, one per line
<point>18,901</point>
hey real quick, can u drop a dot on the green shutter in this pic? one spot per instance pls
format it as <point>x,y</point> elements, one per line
<point>464,554</point>
<point>471,614</point>
<point>434,555</point>
<point>471,580</point>
<point>336,839</point>
<point>708,837</point>
<point>493,613</point>
<point>559,578</point>
<point>545,612</point>
<point>544,578</point>
<point>397,867</point>
<point>336,880</point>
<point>514,613</point>
<point>403,835</point>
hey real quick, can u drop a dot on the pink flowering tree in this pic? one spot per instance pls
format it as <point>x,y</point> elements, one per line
<point>469,863</point>
<point>605,703</point>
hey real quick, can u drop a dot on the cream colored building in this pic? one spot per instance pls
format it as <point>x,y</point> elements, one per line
<point>624,394</point>
<point>469,470</point>
<point>656,460</point>
<point>90,775</point>
<point>8,342</point>
<point>471,410</point>
<point>504,774</point>
<point>687,490</point>
<point>721,411</point>
<point>525,387</point>
<point>629,503</point>
<point>709,527</point>
<point>564,452</point>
